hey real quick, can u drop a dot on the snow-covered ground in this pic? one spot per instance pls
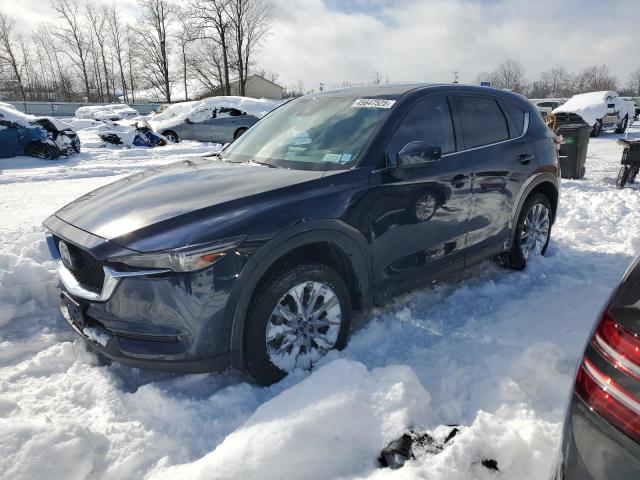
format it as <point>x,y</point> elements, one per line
<point>493,350</point>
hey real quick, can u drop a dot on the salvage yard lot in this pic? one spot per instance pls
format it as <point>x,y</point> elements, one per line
<point>493,350</point>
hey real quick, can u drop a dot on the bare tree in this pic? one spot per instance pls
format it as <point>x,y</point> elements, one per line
<point>184,36</point>
<point>97,18</point>
<point>206,65</point>
<point>250,21</point>
<point>8,54</point>
<point>74,36</point>
<point>117,31</point>
<point>131,57</point>
<point>594,78</point>
<point>213,24</point>
<point>156,18</point>
<point>46,42</point>
<point>634,81</point>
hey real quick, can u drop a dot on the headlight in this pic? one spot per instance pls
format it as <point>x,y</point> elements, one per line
<point>185,259</point>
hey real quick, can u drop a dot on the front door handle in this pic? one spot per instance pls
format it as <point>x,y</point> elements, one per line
<point>525,158</point>
<point>459,180</point>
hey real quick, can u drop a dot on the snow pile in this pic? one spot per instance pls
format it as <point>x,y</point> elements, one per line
<point>496,350</point>
<point>593,106</point>
<point>355,411</point>
<point>110,111</point>
<point>203,108</point>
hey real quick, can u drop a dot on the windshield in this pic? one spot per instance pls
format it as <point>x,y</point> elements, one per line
<point>311,133</point>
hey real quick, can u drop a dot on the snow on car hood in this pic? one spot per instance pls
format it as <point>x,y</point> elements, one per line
<point>590,106</point>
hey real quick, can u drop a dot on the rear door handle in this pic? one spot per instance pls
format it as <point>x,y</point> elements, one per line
<point>525,158</point>
<point>459,180</point>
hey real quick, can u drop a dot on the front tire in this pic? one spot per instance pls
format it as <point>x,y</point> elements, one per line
<point>532,233</point>
<point>295,317</point>
<point>171,136</point>
<point>632,175</point>
<point>41,150</point>
<point>623,125</point>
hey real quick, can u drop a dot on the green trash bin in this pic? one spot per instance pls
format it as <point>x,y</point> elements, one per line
<point>573,151</point>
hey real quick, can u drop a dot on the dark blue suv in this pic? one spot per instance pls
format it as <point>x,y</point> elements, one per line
<point>257,257</point>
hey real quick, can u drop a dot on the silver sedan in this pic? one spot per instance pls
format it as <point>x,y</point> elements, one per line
<point>220,125</point>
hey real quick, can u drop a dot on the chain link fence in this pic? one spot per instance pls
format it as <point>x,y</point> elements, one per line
<point>68,109</point>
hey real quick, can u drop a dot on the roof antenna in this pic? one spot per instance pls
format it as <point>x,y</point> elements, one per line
<point>455,77</point>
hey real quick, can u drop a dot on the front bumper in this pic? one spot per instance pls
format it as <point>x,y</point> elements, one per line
<point>157,320</point>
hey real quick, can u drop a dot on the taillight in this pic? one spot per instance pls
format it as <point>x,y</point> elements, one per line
<point>621,348</point>
<point>558,139</point>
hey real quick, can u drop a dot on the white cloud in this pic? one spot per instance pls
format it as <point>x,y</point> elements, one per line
<point>426,40</point>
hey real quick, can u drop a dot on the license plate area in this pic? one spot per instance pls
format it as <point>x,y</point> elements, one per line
<point>73,312</point>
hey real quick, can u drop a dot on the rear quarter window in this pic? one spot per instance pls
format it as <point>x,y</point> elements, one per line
<point>517,115</point>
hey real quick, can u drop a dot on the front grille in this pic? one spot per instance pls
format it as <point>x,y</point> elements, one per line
<point>88,269</point>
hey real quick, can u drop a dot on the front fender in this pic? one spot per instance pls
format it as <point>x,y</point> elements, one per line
<point>349,240</point>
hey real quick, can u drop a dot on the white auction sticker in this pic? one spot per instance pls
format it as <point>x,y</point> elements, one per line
<point>373,103</point>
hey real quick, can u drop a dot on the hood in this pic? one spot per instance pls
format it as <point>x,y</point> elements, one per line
<point>164,194</point>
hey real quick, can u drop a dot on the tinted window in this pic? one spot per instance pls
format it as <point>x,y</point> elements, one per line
<point>482,121</point>
<point>517,115</point>
<point>429,121</point>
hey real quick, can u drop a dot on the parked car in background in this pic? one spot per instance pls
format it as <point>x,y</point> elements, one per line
<point>636,103</point>
<point>332,202</point>
<point>546,105</point>
<point>601,434</point>
<point>110,112</point>
<point>215,119</point>
<point>42,137</point>
<point>601,110</point>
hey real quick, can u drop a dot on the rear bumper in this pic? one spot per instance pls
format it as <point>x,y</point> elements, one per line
<point>593,449</point>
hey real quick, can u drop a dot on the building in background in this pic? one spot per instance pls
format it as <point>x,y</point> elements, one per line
<point>258,87</point>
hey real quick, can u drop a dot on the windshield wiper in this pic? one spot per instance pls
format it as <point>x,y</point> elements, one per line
<point>270,165</point>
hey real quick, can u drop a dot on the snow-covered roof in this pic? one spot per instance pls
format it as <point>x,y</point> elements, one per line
<point>182,110</point>
<point>590,106</point>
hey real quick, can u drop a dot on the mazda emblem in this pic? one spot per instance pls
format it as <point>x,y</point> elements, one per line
<point>65,255</point>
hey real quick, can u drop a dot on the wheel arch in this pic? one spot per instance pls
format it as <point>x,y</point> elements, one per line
<point>329,241</point>
<point>545,183</point>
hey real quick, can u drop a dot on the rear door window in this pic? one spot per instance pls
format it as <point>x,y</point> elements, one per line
<point>429,120</point>
<point>482,121</point>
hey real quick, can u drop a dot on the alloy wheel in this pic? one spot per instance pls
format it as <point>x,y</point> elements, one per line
<point>303,326</point>
<point>535,231</point>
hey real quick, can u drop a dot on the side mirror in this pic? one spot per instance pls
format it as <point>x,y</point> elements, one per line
<point>418,154</point>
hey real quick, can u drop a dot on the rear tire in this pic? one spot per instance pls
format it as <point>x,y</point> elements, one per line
<point>623,176</point>
<point>262,346</point>
<point>171,136</point>
<point>517,257</point>
<point>597,128</point>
